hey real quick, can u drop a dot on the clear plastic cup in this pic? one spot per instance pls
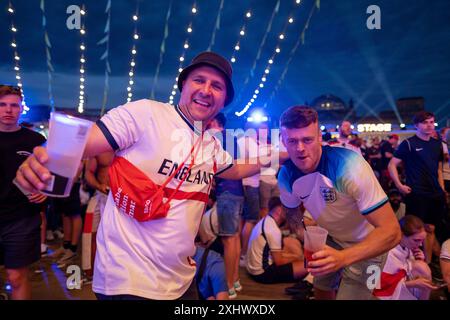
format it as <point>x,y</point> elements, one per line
<point>315,239</point>
<point>65,145</point>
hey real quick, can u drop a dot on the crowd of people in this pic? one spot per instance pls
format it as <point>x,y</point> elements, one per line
<point>228,202</point>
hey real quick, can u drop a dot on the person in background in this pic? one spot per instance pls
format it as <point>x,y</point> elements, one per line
<point>229,204</point>
<point>422,157</point>
<point>446,163</point>
<point>249,148</point>
<point>396,201</point>
<point>270,257</point>
<point>387,148</point>
<point>374,156</point>
<point>346,138</point>
<point>406,275</point>
<point>20,221</point>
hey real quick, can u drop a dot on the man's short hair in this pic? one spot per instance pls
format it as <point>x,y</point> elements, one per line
<point>393,136</point>
<point>8,89</point>
<point>422,116</point>
<point>298,117</point>
<point>411,224</point>
<point>274,202</point>
<point>221,119</point>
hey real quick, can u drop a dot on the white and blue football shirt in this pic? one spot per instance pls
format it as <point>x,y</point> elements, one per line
<point>341,191</point>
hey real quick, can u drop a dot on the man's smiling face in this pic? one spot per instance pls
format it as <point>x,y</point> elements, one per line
<point>203,95</point>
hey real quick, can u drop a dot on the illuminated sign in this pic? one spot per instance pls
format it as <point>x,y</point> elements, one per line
<point>371,127</point>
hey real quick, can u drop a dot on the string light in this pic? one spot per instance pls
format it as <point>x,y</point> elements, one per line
<point>82,100</point>
<point>270,62</point>
<point>182,58</point>
<point>135,18</point>
<point>14,45</point>
<point>300,40</point>
<point>237,46</point>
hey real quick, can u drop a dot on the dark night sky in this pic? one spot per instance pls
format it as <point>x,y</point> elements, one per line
<point>409,56</point>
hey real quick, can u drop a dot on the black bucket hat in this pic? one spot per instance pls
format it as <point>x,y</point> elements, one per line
<point>216,61</point>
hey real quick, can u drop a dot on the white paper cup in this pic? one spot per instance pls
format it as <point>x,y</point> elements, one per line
<point>65,145</point>
<point>315,239</point>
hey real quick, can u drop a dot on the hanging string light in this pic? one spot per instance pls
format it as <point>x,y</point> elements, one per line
<point>81,101</point>
<point>242,32</point>
<point>300,41</point>
<point>277,49</point>
<point>250,74</point>
<point>135,19</point>
<point>14,46</point>
<point>189,30</point>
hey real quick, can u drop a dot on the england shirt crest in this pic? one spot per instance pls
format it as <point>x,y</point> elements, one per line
<point>328,194</point>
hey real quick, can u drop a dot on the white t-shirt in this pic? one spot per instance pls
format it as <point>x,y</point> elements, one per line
<point>258,252</point>
<point>152,259</point>
<point>248,148</point>
<point>209,227</point>
<point>341,191</point>
<point>445,250</point>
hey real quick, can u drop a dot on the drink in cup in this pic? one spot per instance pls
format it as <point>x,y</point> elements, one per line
<point>65,145</point>
<point>315,239</point>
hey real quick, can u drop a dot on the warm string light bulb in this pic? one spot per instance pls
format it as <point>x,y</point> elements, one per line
<point>82,100</point>
<point>14,45</point>
<point>242,33</point>
<point>277,49</point>
<point>131,73</point>
<point>189,30</point>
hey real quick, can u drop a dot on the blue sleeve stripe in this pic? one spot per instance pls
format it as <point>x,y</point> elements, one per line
<point>375,207</point>
<point>108,135</point>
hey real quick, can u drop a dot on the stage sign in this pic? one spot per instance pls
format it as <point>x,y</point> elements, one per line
<point>372,127</point>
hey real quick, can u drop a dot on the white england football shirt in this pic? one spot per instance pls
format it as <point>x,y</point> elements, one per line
<point>341,191</point>
<point>152,259</point>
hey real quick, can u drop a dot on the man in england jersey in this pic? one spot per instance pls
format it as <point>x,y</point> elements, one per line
<point>152,259</point>
<point>338,187</point>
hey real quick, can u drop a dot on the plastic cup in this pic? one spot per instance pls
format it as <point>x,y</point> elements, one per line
<point>65,145</point>
<point>315,239</point>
